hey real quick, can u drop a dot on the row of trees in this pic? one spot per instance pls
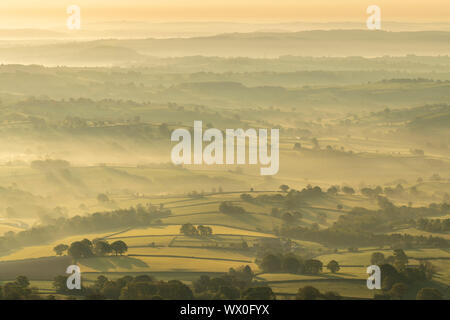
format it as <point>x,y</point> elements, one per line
<point>228,208</point>
<point>365,227</point>
<point>86,248</point>
<point>312,293</point>
<point>291,263</point>
<point>18,290</point>
<point>191,231</point>
<point>236,284</point>
<point>433,225</point>
<point>397,276</point>
<point>100,221</point>
<point>142,287</point>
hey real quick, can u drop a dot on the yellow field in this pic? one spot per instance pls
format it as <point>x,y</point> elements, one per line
<point>351,258</point>
<point>149,264</point>
<point>416,232</point>
<point>146,241</point>
<point>345,288</point>
<point>194,252</point>
<point>175,230</point>
<point>285,277</point>
<point>47,249</point>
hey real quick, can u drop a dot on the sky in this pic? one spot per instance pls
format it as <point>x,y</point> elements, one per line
<point>45,13</point>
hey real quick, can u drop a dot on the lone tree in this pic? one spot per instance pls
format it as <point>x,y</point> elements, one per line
<point>102,198</point>
<point>284,187</point>
<point>333,266</point>
<point>119,247</point>
<point>60,249</point>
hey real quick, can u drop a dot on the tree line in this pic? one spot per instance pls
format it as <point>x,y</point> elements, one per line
<point>433,225</point>
<point>99,221</point>
<point>290,263</point>
<point>200,231</point>
<point>87,249</point>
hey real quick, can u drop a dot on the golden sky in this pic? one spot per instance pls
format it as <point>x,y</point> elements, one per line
<point>24,13</point>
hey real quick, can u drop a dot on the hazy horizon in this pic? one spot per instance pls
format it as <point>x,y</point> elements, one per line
<point>51,13</point>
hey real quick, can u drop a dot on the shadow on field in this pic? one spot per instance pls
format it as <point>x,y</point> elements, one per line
<point>108,263</point>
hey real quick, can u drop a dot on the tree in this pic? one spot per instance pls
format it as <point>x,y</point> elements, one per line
<point>60,284</point>
<point>389,276</point>
<point>13,291</point>
<point>204,231</point>
<point>308,293</point>
<point>246,197</point>
<point>258,293</point>
<point>284,188</point>
<point>22,281</point>
<point>400,259</point>
<point>119,247</point>
<point>60,249</point>
<point>429,294</point>
<point>102,247</point>
<point>271,263</point>
<point>80,249</point>
<point>188,230</point>
<point>228,207</point>
<point>87,243</point>
<point>377,258</point>
<point>348,190</point>
<point>290,264</point>
<point>333,190</point>
<point>398,290</point>
<point>229,293</point>
<point>102,198</point>
<point>111,290</point>
<point>313,266</point>
<point>100,282</point>
<point>333,266</point>
<point>176,290</point>
<point>202,284</point>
